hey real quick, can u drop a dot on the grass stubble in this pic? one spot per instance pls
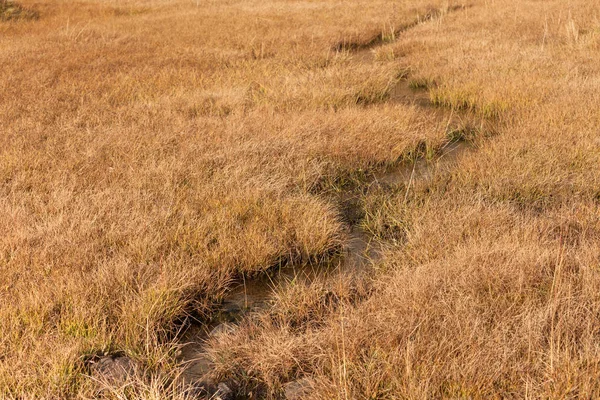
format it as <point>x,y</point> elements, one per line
<point>155,152</point>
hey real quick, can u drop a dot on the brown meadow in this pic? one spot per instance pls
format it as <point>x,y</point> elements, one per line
<point>156,153</point>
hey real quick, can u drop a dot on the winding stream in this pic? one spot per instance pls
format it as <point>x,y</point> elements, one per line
<point>254,295</point>
<point>360,252</point>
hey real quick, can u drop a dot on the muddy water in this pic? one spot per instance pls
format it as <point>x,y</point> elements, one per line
<point>403,93</point>
<point>422,168</point>
<point>254,295</point>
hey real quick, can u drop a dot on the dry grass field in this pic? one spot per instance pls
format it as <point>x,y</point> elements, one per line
<point>157,154</point>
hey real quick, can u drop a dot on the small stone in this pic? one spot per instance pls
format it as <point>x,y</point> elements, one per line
<point>297,390</point>
<point>222,329</point>
<point>200,390</point>
<point>223,392</point>
<point>113,370</point>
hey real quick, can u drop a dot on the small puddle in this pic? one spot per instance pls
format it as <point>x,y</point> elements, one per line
<point>403,93</point>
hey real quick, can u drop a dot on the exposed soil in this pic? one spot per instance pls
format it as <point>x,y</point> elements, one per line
<point>404,94</point>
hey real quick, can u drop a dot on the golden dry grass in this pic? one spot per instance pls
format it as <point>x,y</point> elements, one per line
<point>154,151</point>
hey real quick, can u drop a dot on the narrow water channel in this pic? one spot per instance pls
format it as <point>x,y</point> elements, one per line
<point>360,252</point>
<point>255,295</point>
